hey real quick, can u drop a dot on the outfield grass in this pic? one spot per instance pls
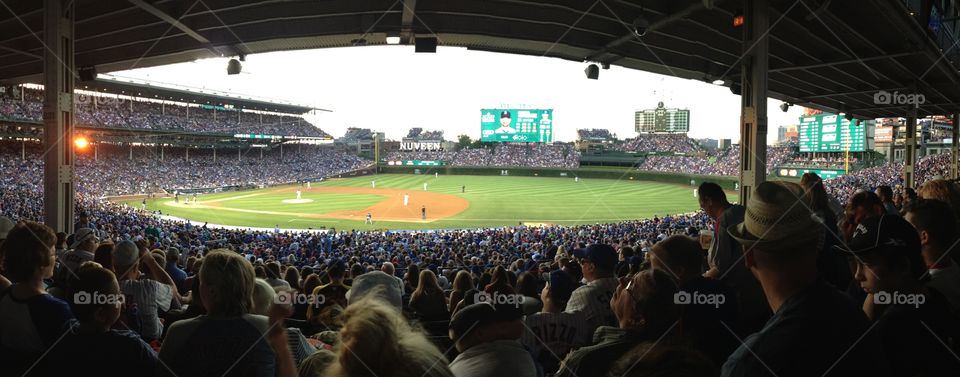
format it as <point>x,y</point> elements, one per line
<point>494,201</point>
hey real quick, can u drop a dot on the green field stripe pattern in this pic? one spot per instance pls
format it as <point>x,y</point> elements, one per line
<point>494,201</point>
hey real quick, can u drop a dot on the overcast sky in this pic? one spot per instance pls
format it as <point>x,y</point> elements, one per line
<point>391,89</point>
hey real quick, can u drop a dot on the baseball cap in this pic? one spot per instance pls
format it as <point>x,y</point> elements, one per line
<point>82,235</point>
<point>376,282</point>
<point>125,253</point>
<point>886,233</point>
<point>479,314</point>
<point>505,114</point>
<point>561,285</point>
<point>601,255</point>
<point>5,225</point>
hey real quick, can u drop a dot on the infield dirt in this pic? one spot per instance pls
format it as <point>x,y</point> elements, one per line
<point>439,206</point>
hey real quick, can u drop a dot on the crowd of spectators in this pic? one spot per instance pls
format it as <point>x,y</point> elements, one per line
<point>723,162</point>
<point>601,134</point>
<point>113,172</point>
<point>927,168</point>
<point>660,143</point>
<point>557,155</point>
<point>419,134</point>
<point>721,292</point>
<point>823,162</point>
<point>103,111</point>
<point>199,300</point>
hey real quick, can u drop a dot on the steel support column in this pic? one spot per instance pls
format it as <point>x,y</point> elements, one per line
<point>955,146</point>
<point>58,81</point>
<point>910,148</point>
<point>753,98</point>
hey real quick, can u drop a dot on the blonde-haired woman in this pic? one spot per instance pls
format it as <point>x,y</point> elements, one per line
<point>944,191</point>
<point>376,340</point>
<point>428,301</point>
<point>228,340</point>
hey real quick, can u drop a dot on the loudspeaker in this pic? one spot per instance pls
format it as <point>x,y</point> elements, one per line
<point>87,73</point>
<point>592,71</point>
<point>233,67</point>
<point>426,44</point>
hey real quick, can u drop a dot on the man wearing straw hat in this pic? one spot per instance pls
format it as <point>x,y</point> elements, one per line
<point>815,330</point>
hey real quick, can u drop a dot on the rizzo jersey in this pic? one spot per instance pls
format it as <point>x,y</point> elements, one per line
<point>550,336</point>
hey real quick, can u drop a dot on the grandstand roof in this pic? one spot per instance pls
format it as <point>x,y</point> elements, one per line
<point>825,54</point>
<point>183,95</point>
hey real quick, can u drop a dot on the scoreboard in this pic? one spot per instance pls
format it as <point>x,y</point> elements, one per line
<point>662,119</point>
<point>831,133</point>
<point>516,125</point>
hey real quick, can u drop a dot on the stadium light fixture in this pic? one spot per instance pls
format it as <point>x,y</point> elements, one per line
<point>785,106</point>
<point>393,38</point>
<point>81,142</point>
<point>718,82</point>
<point>738,18</point>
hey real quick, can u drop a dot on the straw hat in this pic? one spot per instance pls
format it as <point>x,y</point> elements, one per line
<point>778,214</point>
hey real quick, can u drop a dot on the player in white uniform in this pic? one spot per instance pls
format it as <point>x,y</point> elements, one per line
<point>424,186</point>
<point>436,174</point>
<point>406,199</point>
<point>373,184</point>
<point>576,179</point>
<point>308,184</point>
<point>369,218</point>
<point>298,194</point>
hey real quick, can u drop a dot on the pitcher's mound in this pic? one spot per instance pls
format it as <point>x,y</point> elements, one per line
<point>296,201</point>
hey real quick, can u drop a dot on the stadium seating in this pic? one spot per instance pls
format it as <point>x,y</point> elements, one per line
<point>108,112</point>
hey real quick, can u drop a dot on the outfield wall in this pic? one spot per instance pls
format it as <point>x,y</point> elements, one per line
<point>603,173</point>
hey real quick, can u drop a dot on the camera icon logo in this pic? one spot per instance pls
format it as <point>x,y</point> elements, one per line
<point>81,298</point>
<point>882,97</point>
<point>283,298</point>
<point>682,298</point>
<point>882,298</point>
<point>482,297</point>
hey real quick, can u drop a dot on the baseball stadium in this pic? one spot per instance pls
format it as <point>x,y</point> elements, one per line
<point>423,188</point>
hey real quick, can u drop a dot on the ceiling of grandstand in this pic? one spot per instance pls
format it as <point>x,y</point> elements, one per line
<point>832,55</point>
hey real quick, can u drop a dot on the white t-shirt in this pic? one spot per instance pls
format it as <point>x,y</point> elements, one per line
<point>494,359</point>
<point>593,300</point>
<point>150,297</point>
<point>553,335</point>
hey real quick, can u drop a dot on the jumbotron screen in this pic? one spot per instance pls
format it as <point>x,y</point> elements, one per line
<point>516,125</point>
<point>830,133</point>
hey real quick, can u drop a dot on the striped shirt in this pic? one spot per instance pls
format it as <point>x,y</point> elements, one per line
<point>149,297</point>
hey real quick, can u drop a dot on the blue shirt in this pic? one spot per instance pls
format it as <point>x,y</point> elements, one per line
<point>207,346</point>
<point>817,332</point>
<point>177,274</point>
<point>111,353</point>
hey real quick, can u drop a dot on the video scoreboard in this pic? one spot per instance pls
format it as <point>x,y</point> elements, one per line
<point>831,133</point>
<point>516,125</point>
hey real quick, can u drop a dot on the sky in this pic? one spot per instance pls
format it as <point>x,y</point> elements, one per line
<point>391,89</point>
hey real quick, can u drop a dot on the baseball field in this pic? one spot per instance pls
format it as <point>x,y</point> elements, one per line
<point>447,201</point>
